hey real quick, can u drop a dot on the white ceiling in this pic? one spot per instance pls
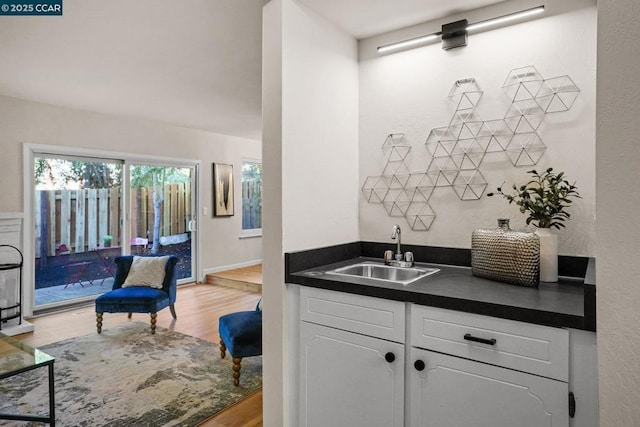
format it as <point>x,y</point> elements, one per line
<point>366,18</point>
<point>194,63</point>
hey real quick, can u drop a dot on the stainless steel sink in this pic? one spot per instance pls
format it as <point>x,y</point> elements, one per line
<point>402,275</point>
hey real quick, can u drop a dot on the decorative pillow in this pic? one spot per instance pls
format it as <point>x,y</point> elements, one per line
<point>146,271</point>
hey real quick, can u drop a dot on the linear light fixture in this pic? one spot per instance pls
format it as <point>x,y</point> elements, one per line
<point>505,18</point>
<point>407,43</point>
<point>471,27</point>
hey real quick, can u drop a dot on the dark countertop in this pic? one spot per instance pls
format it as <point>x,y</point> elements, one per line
<point>561,304</point>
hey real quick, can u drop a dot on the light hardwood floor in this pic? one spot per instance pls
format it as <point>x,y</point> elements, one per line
<point>198,308</point>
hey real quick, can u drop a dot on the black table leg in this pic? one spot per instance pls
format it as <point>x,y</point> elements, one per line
<point>51,419</point>
<point>52,398</point>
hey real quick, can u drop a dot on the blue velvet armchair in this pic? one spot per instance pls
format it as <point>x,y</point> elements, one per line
<point>138,299</point>
<point>241,334</point>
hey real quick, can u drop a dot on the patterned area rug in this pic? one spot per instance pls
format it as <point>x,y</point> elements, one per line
<point>128,377</point>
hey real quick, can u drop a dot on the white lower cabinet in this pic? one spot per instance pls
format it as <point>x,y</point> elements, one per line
<point>373,362</point>
<point>468,370</point>
<point>449,391</point>
<point>352,355</point>
<point>349,380</point>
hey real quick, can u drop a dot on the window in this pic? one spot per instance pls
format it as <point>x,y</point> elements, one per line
<point>251,198</point>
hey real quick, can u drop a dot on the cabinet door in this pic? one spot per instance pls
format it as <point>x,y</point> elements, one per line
<point>349,380</point>
<point>455,392</point>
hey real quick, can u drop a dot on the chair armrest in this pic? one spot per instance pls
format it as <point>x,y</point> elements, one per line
<point>123,265</point>
<point>170,283</point>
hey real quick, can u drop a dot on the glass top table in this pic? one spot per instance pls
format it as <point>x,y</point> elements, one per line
<point>17,357</point>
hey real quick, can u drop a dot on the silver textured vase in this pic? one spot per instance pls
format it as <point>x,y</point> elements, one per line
<point>506,255</point>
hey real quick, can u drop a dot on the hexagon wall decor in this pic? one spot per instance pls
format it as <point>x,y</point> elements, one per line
<point>458,149</point>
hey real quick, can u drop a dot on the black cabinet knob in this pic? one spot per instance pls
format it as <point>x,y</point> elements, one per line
<point>390,357</point>
<point>419,365</point>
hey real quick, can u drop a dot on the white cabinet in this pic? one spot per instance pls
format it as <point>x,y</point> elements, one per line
<point>485,372</point>
<point>349,375</point>
<point>367,362</point>
<point>526,347</point>
<point>451,391</point>
<point>364,315</point>
<point>347,379</point>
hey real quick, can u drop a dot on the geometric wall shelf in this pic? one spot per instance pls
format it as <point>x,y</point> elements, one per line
<point>375,188</point>
<point>557,94</point>
<point>420,216</point>
<point>458,149</point>
<point>525,149</point>
<point>470,185</point>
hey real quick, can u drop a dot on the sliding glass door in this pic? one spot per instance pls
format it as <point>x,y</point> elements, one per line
<point>87,211</point>
<point>77,212</point>
<point>162,208</point>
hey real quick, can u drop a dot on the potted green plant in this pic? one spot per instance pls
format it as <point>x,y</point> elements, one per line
<point>106,239</point>
<point>545,199</point>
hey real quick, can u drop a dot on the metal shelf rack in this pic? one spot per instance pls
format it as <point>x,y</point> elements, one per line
<point>14,309</point>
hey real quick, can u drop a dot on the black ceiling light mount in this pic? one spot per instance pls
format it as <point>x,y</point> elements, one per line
<point>454,34</point>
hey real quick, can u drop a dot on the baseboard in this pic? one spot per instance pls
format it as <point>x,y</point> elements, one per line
<point>230,267</point>
<point>22,328</point>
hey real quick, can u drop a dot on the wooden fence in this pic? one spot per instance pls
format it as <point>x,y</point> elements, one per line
<point>251,205</point>
<point>77,220</point>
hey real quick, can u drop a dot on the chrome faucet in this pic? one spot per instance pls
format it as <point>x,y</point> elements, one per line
<point>400,260</point>
<point>397,233</point>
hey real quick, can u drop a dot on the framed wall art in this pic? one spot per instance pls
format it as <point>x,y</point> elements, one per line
<point>222,189</point>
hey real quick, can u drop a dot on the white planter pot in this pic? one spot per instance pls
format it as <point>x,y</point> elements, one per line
<point>548,255</point>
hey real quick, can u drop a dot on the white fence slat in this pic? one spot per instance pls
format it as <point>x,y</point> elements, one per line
<point>92,219</point>
<point>65,218</point>
<point>80,220</point>
<point>103,213</point>
<point>51,202</point>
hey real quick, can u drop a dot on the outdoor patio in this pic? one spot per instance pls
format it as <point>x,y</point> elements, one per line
<point>79,275</point>
<point>54,294</point>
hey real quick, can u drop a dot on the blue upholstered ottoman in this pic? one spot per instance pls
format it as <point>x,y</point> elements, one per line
<point>241,334</point>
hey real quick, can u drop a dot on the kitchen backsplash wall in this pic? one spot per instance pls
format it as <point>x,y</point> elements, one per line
<point>407,92</point>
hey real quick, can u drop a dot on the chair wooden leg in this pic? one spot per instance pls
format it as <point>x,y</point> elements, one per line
<point>236,371</point>
<point>99,322</point>
<point>129,315</point>
<point>154,319</point>
<point>173,311</point>
<point>223,349</point>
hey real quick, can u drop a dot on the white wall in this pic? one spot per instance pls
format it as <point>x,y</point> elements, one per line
<point>618,157</point>
<point>407,92</point>
<point>30,122</point>
<point>310,133</point>
<point>273,290</point>
<point>320,131</point>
